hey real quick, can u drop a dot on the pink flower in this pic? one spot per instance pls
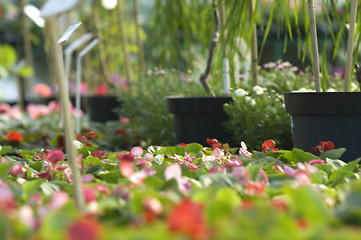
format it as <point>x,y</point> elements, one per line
<point>243,152</point>
<point>302,174</point>
<point>87,178</point>
<point>37,110</point>
<point>174,171</point>
<point>143,163</point>
<point>7,199</point>
<point>136,151</point>
<point>58,200</point>
<point>27,217</point>
<point>317,161</point>
<point>43,90</point>
<point>219,169</point>
<point>101,90</point>
<point>242,174</point>
<point>233,162</point>
<point>17,170</point>
<point>55,155</point>
<point>152,208</point>
<point>255,188</point>
<point>126,168</point>
<point>124,120</point>
<point>89,194</point>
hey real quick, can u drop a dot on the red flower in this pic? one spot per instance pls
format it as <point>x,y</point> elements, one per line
<point>324,146</point>
<point>214,143</point>
<point>120,131</point>
<point>98,154</point>
<point>269,146</point>
<point>187,217</point>
<point>91,134</point>
<point>126,157</point>
<point>84,229</point>
<point>14,136</point>
<point>61,141</point>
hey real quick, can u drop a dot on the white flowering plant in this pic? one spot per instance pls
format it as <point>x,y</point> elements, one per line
<point>258,115</point>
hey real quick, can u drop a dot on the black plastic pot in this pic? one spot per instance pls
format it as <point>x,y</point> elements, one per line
<point>199,118</point>
<point>101,108</point>
<point>334,116</point>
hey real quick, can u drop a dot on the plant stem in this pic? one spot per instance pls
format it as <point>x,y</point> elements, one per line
<point>123,42</point>
<point>139,40</point>
<point>56,50</point>
<point>350,42</point>
<point>254,50</point>
<point>203,77</point>
<point>27,51</point>
<point>313,32</point>
<point>101,51</point>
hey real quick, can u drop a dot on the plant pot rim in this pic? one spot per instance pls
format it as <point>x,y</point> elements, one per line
<point>323,103</point>
<point>197,97</point>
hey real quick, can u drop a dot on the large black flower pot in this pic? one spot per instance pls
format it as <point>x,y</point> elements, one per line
<point>334,116</point>
<point>199,118</point>
<point>101,108</point>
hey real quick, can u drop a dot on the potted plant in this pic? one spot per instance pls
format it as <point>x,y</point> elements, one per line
<point>200,117</point>
<point>321,116</point>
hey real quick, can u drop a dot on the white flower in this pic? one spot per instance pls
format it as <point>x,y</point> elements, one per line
<point>77,144</point>
<point>240,92</point>
<point>258,90</point>
<point>354,87</point>
<point>303,90</point>
<point>250,101</point>
<point>331,90</point>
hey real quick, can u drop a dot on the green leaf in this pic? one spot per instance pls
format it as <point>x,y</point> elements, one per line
<point>28,155</point>
<point>32,186</point>
<point>219,179</point>
<point>4,149</point>
<point>319,177</point>
<point>194,148</point>
<point>49,188</point>
<point>339,175</point>
<point>222,205</point>
<point>179,150</point>
<point>299,155</point>
<point>111,176</point>
<point>26,71</point>
<point>92,161</point>
<point>8,56</point>
<point>87,150</point>
<point>333,154</point>
<point>5,168</point>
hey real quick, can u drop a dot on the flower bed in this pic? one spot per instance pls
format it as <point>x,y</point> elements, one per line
<point>181,192</point>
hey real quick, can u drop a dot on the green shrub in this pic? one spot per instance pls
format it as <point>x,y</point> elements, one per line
<point>146,107</point>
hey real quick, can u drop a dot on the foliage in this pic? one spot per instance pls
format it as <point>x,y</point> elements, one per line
<point>258,113</point>
<point>146,107</point>
<point>258,116</point>
<point>8,64</point>
<point>181,192</point>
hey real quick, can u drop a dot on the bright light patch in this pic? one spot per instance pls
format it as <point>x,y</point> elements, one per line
<point>109,4</point>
